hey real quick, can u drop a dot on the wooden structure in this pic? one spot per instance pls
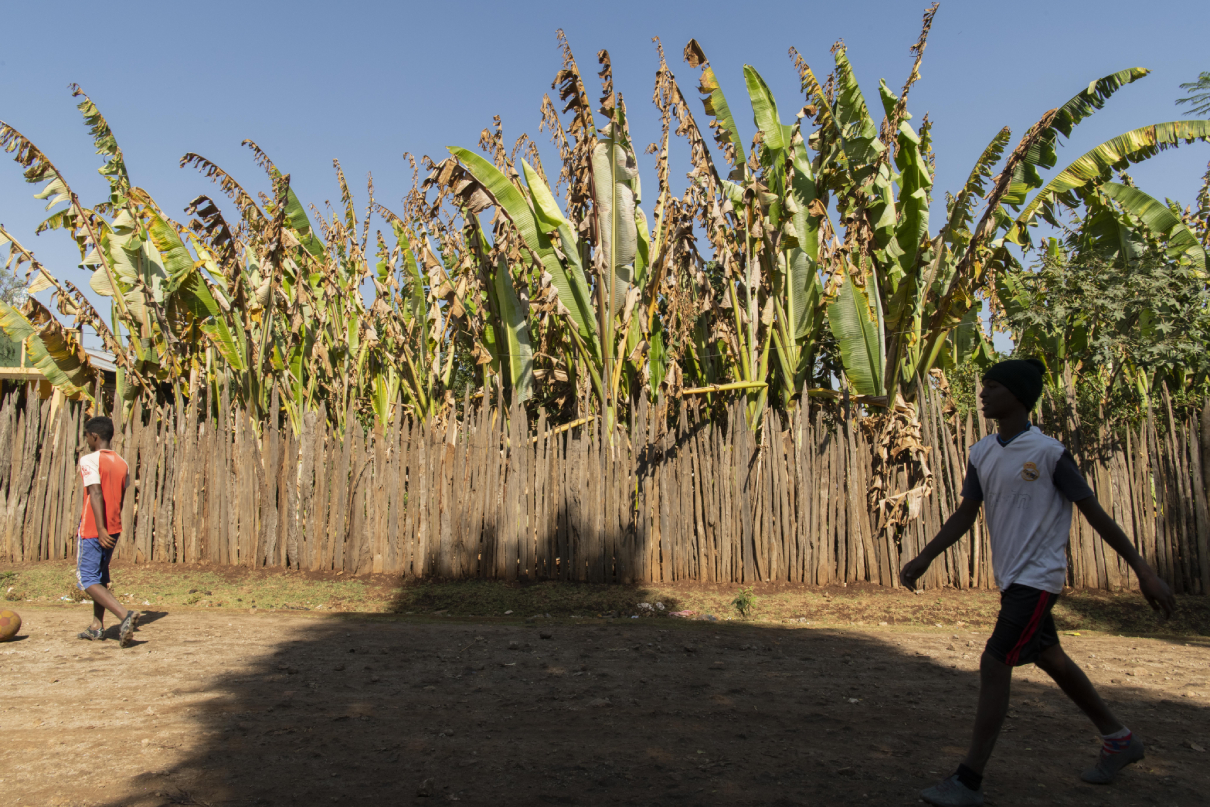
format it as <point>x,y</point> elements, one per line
<point>497,496</point>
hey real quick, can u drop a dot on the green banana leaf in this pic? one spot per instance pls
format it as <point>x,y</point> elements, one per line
<point>764,112</point>
<point>52,350</point>
<point>1042,153</point>
<point>177,261</point>
<point>657,356</point>
<point>961,208</point>
<point>856,331</point>
<point>519,354</point>
<point>1157,218</point>
<point>297,220</point>
<point>1096,165</point>
<point>569,281</point>
<point>802,193</point>
<point>857,130</point>
<point>106,144</point>
<point>545,206</point>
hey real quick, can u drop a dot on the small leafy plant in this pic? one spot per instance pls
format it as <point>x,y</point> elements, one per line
<point>744,602</point>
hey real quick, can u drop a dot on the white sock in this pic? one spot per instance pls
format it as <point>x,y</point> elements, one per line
<point>1117,742</point>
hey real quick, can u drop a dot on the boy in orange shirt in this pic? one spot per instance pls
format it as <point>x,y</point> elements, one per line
<point>105,476</point>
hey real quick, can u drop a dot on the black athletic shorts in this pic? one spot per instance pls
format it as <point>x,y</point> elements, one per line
<point>1025,627</point>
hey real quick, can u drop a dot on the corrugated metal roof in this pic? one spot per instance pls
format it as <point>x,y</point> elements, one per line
<point>102,360</point>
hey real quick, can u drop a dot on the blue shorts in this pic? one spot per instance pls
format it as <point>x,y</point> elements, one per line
<point>92,563</point>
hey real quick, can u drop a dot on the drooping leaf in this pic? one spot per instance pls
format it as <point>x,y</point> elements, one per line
<point>1042,150</point>
<point>177,261</point>
<point>961,210</point>
<point>1097,165</point>
<point>50,347</point>
<point>726,133</point>
<point>106,144</point>
<point>1161,221</point>
<point>550,217</point>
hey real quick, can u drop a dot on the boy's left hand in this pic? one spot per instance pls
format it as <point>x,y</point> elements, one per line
<point>107,541</point>
<point>912,571</point>
<point>1158,594</point>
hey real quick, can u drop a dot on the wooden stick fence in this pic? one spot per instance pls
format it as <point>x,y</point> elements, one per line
<point>705,501</point>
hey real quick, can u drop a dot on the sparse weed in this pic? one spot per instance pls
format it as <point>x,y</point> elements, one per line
<point>73,592</point>
<point>745,601</point>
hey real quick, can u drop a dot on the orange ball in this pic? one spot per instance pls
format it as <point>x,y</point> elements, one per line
<point>10,623</point>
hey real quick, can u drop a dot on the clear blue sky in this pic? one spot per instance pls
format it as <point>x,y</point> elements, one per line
<point>365,81</point>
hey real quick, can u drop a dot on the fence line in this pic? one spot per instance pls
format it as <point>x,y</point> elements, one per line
<point>706,500</point>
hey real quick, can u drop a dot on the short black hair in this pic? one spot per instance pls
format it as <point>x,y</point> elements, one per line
<point>101,426</point>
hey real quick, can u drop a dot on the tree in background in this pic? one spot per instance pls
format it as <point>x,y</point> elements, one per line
<point>12,289</point>
<point>1121,328</point>
<point>1199,94</point>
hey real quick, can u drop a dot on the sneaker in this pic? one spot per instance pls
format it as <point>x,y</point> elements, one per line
<point>91,634</point>
<point>1108,765</point>
<point>952,793</point>
<point>127,627</point>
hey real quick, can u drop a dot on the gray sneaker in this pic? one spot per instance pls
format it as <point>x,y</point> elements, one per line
<point>1108,765</point>
<point>126,629</point>
<point>952,793</point>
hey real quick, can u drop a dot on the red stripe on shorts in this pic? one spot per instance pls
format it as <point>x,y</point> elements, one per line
<point>1030,629</point>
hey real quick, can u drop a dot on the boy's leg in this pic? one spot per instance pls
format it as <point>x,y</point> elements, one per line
<point>1119,747</point>
<point>103,598</point>
<point>995,685</point>
<point>99,590</point>
<point>1014,641</point>
<point>92,573</point>
<point>1075,685</point>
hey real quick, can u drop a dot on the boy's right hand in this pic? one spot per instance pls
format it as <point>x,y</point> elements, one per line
<point>912,571</point>
<point>106,540</point>
<point>1158,595</point>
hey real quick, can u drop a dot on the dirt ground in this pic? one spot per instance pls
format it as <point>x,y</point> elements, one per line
<point>281,709</point>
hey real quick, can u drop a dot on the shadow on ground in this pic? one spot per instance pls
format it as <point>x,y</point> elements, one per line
<point>397,710</point>
<point>1130,616</point>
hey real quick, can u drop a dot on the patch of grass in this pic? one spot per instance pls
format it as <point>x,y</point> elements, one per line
<point>164,586</point>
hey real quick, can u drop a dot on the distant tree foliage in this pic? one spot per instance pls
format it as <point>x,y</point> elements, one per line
<point>1122,328</point>
<point>11,287</point>
<point>1199,94</point>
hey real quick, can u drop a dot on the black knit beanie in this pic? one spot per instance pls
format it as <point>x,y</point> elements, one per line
<point>1022,377</point>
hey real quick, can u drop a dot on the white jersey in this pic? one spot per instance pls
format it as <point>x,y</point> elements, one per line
<point>1027,486</point>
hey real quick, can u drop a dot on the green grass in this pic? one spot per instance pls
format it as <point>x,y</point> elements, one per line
<point>163,587</point>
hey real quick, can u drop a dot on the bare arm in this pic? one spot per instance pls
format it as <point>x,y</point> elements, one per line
<point>1153,588</point>
<point>957,525</point>
<point>97,499</point>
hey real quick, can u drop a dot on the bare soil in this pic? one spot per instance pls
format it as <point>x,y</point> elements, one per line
<point>232,708</point>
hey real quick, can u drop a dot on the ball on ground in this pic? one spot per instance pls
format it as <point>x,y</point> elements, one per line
<point>10,623</point>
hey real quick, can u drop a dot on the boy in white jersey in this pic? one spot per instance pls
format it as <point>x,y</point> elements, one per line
<point>1028,482</point>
